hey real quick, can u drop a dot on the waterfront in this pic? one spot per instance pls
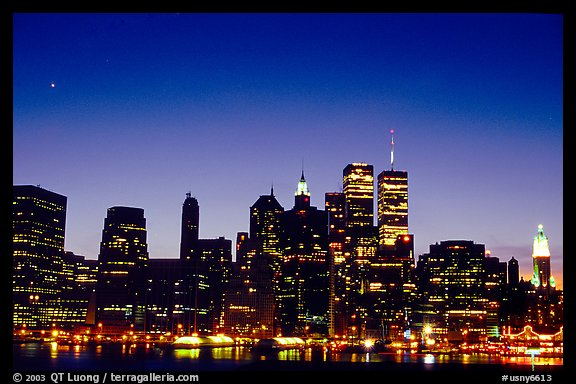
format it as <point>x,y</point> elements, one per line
<point>125,357</point>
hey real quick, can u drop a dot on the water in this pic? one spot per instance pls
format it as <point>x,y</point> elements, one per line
<point>150,358</point>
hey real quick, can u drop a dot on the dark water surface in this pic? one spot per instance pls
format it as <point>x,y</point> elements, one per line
<point>150,358</point>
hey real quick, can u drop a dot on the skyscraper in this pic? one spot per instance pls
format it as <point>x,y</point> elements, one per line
<point>541,261</point>
<point>338,261</point>
<point>392,203</point>
<point>123,258</point>
<point>190,225</point>
<point>249,300</point>
<point>304,285</point>
<point>205,273</point>
<point>392,206</point>
<point>265,216</point>
<point>390,289</point>
<point>163,311</point>
<point>193,298</point>
<point>38,225</point>
<point>265,232</point>
<point>452,279</point>
<point>513,272</point>
<point>359,194</point>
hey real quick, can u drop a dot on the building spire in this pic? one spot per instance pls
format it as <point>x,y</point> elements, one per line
<point>272,189</point>
<point>302,186</point>
<point>540,246</point>
<point>392,150</point>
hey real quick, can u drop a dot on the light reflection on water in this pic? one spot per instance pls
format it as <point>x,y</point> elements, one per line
<point>76,355</point>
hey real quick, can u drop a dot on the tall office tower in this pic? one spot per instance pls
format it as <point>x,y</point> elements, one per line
<point>265,231</point>
<point>495,283</point>
<point>361,238</point>
<point>304,284</point>
<point>249,298</point>
<point>543,292</point>
<point>190,226</point>
<point>541,261</point>
<point>193,296</point>
<point>452,280</point>
<point>216,254</point>
<point>163,312</point>
<point>205,273</point>
<point>38,226</point>
<point>335,206</point>
<point>513,272</point>
<point>390,291</point>
<point>359,195</point>
<point>392,203</point>
<point>72,304</point>
<point>265,216</point>
<point>121,287</point>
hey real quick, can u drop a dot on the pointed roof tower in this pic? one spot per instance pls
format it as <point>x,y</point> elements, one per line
<point>302,188</point>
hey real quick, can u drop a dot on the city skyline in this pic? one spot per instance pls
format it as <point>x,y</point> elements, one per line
<point>226,106</point>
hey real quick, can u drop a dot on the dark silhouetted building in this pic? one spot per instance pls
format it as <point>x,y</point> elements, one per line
<point>38,227</point>
<point>205,272</point>
<point>123,263</point>
<point>304,285</point>
<point>496,293</point>
<point>338,262</point>
<point>164,311</point>
<point>513,272</point>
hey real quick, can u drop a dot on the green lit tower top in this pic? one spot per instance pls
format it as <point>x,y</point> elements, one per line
<point>302,194</point>
<point>541,260</point>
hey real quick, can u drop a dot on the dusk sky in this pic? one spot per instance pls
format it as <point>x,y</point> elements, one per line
<point>138,109</point>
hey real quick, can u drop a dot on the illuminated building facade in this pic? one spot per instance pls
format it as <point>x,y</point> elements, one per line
<point>163,297</point>
<point>451,278</point>
<point>391,290</point>
<point>496,293</point>
<point>75,303</point>
<point>304,285</point>
<point>338,261</point>
<point>392,206</point>
<point>545,303</point>
<point>123,258</point>
<point>361,234</point>
<point>38,227</point>
<point>217,254</point>
<point>359,194</point>
<point>249,301</point>
<point>265,215</point>
<point>541,261</point>
<point>265,231</point>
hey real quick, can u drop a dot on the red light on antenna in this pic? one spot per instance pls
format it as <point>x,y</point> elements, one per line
<point>391,131</point>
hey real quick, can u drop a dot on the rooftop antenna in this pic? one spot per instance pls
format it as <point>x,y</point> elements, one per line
<point>392,150</point>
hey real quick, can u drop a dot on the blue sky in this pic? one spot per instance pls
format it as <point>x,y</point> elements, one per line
<point>138,109</point>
